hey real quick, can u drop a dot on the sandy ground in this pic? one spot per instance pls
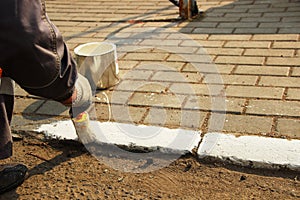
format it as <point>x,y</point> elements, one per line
<point>65,170</point>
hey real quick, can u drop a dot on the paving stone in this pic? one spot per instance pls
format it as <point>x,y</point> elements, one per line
<point>285,5</point>
<point>112,97</point>
<point>228,37</point>
<point>177,77</point>
<point>191,119</point>
<point>238,24</point>
<point>225,51</point>
<point>185,30</point>
<point>245,124</point>
<point>261,70</point>
<point>279,25</point>
<point>30,122</point>
<point>211,18</point>
<point>128,46</point>
<point>286,45</point>
<point>293,94</point>
<point>230,79</point>
<point>283,61</point>
<point>234,105</point>
<point>255,31</point>
<point>103,112</point>
<point>276,37</point>
<point>254,92</point>
<point>160,66</point>
<point>227,9</point>
<point>293,9</point>
<point>135,74</point>
<point>65,23</point>
<point>146,56</point>
<point>208,68</point>
<point>124,64</point>
<point>157,100</point>
<point>128,114</point>
<point>201,24</point>
<point>279,81</point>
<point>25,105</point>
<point>95,24</point>
<point>269,52</point>
<point>119,35</point>
<point>242,15</point>
<point>264,9</point>
<point>187,36</point>
<point>154,24</point>
<point>142,86</point>
<point>219,104</point>
<point>282,14</point>
<point>289,127</point>
<point>290,19</point>
<point>71,28</point>
<point>247,60</point>
<point>288,30</point>
<point>134,29</point>
<point>59,16</point>
<point>271,107</point>
<point>181,50</point>
<point>163,42</point>
<point>200,37</point>
<point>263,6</point>
<point>213,30</point>
<point>69,34</point>
<point>262,19</point>
<point>53,108</point>
<point>83,40</point>
<point>248,44</point>
<point>199,58</point>
<point>195,89</point>
<point>203,43</point>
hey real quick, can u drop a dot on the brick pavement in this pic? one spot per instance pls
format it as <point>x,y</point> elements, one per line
<point>253,45</point>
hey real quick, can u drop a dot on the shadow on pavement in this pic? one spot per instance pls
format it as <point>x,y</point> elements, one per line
<point>48,109</point>
<point>248,17</point>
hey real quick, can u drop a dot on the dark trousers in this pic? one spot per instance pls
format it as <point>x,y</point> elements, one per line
<point>34,55</point>
<point>6,109</point>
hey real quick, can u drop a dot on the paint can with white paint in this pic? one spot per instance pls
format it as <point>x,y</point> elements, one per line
<point>97,61</point>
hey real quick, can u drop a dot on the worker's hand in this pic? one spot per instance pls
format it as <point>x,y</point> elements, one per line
<point>81,99</point>
<point>83,92</point>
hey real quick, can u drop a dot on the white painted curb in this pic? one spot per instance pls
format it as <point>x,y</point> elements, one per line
<point>153,137</point>
<point>254,151</point>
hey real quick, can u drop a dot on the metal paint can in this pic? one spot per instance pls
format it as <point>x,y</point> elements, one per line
<point>97,61</point>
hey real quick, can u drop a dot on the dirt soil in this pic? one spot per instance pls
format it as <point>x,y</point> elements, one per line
<point>65,170</point>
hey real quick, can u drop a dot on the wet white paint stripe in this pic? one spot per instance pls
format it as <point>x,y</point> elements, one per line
<point>244,150</point>
<point>252,150</point>
<point>129,134</point>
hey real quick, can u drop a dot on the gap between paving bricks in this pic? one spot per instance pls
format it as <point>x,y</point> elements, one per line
<point>248,151</point>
